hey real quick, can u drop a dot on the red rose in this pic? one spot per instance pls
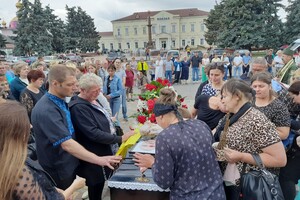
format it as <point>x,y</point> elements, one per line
<point>141,119</point>
<point>152,118</point>
<point>159,80</point>
<point>166,82</point>
<point>181,100</point>
<point>141,98</point>
<point>150,87</point>
<point>151,104</point>
<point>185,106</point>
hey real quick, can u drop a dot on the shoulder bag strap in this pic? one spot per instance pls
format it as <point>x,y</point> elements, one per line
<point>258,161</point>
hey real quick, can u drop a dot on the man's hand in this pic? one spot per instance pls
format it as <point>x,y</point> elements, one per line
<point>143,160</point>
<point>127,135</point>
<point>109,161</point>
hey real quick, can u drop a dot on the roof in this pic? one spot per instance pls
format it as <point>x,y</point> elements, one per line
<point>181,12</point>
<point>106,34</point>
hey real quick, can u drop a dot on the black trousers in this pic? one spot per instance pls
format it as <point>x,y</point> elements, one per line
<point>95,191</point>
<point>177,76</point>
<point>230,70</point>
<point>289,176</point>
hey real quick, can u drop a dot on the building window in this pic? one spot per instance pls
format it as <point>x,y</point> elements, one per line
<point>163,29</point>
<point>183,28</point>
<point>144,30</point>
<point>192,27</point>
<point>173,28</point>
<point>126,32</point>
<point>145,44</point>
<point>173,43</point>
<point>136,45</point>
<point>202,41</point>
<point>128,45</point>
<point>119,32</point>
<point>183,43</point>
<point>120,46</point>
<point>111,46</point>
<point>192,42</point>
<point>202,27</point>
<point>153,30</point>
<point>135,31</point>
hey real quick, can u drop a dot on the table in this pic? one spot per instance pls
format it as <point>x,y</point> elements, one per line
<point>124,186</point>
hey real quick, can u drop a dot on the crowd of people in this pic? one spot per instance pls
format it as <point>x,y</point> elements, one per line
<point>70,112</point>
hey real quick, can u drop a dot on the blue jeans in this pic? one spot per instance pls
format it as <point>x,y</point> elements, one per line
<point>115,106</point>
<point>237,71</point>
<point>169,75</point>
<point>195,73</point>
<point>225,74</point>
<point>124,105</point>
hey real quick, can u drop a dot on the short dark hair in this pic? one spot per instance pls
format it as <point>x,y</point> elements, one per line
<point>34,75</point>
<point>112,67</point>
<point>295,88</point>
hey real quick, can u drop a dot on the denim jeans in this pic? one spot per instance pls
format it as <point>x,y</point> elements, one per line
<point>169,75</point>
<point>124,105</point>
<point>115,106</point>
<point>195,73</point>
<point>237,71</point>
<point>225,74</point>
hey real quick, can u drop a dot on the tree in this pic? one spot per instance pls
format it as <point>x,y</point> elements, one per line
<point>2,41</point>
<point>80,31</point>
<point>292,25</point>
<point>32,36</point>
<point>56,29</point>
<point>248,23</point>
<point>213,23</point>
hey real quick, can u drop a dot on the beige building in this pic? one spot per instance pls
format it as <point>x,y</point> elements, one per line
<point>171,29</point>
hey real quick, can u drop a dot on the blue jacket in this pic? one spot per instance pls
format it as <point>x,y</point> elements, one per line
<point>176,65</point>
<point>115,87</point>
<point>16,87</point>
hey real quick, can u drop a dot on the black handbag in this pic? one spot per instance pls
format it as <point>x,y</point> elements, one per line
<point>260,184</point>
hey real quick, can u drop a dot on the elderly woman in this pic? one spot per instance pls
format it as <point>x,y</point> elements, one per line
<point>267,102</point>
<point>248,132</point>
<point>95,131</point>
<point>184,159</point>
<point>20,81</point>
<point>32,93</point>
<point>290,174</point>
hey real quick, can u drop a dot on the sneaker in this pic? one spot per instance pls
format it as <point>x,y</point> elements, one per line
<point>125,119</point>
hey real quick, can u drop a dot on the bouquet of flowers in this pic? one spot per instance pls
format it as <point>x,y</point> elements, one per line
<point>147,100</point>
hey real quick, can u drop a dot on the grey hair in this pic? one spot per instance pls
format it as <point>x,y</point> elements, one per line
<point>89,80</point>
<point>259,61</point>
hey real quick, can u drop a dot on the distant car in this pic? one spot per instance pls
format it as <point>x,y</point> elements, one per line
<point>174,53</point>
<point>12,59</point>
<point>242,52</point>
<point>74,58</point>
<point>219,52</point>
<point>113,55</point>
<point>295,46</point>
<point>200,54</point>
<point>49,59</point>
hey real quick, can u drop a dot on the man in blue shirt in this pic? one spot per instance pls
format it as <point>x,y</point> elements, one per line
<point>57,150</point>
<point>246,63</point>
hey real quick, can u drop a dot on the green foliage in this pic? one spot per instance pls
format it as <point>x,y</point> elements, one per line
<point>80,31</point>
<point>245,24</point>
<point>2,41</point>
<point>292,25</point>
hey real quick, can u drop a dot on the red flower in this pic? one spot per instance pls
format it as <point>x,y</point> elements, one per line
<point>141,98</point>
<point>166,82</point>
<point>181,100</point>
<point>184,106</point>
<point>159,80</point>
<point>152,118</point>
<point>141,119</point>
<point>151,104</point>
<point>150,87</point>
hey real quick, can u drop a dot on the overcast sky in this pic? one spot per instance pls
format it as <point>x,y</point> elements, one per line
<point>104,11</point>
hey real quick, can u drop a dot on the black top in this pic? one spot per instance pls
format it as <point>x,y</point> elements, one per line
<point>195,61</point>
<point>29,99</point>
<point>210,116</point>
<point>93,133</point>
<point>51,129</point>
<point>200,88</point>
<point>108,85</point>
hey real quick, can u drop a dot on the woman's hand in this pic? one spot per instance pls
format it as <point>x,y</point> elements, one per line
<point>232,156</point>
<point>107,97</point>
<point>143,160</point>
<point>127,135</point>
<point>109,161</point>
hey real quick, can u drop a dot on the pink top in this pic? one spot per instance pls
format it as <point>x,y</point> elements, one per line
<point>129,78</point>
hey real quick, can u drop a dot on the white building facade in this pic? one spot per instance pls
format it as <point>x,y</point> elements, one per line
<point>171,29</point>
